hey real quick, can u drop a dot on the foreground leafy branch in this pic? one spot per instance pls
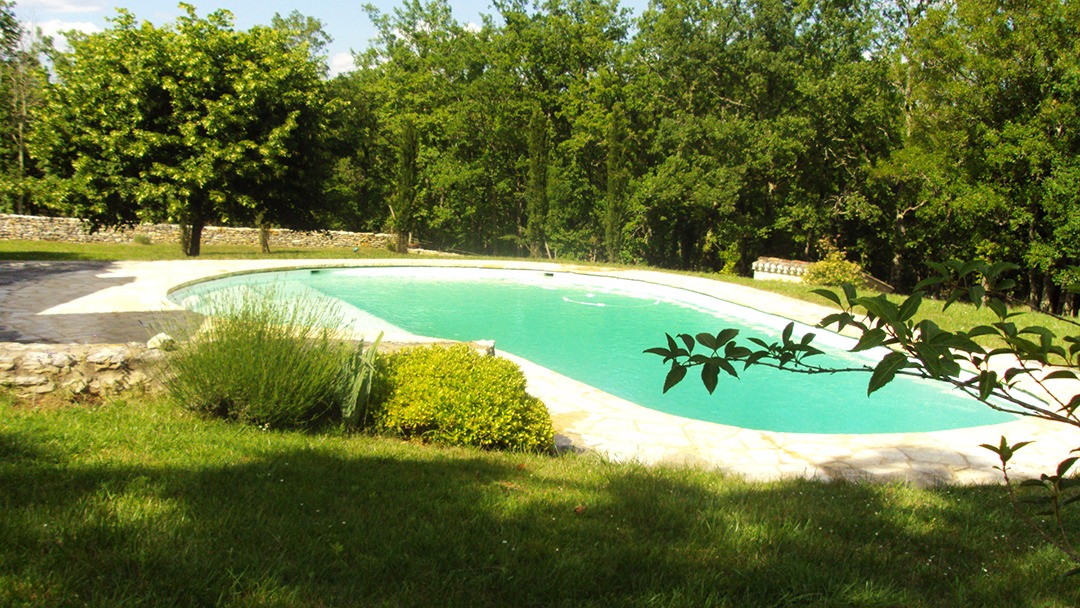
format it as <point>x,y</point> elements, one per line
<point>1031,356</point>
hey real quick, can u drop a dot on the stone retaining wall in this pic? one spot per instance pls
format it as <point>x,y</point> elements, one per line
<point>76,369</point>
<point>71,230</point>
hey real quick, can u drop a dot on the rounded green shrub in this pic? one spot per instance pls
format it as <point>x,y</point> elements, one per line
<point>834,270</point>
<point>456,396</point>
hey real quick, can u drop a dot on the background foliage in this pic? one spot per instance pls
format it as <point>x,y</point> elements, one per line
<point>699,135</point>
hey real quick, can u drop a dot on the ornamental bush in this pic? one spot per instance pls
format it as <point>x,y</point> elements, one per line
<point>456,396</point>
<point>264,360</point>
<point>834,270</point>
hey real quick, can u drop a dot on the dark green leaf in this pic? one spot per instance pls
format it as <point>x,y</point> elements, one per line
<point>910,306</point>
<point>663,352</point>
<point>885,371</point>
<point>998,307</point>
<point>1065,465</point>
<point>870,339</point>
<point>733,352</point>
<point>709,374</point>
<point>688,340</point>
<point>674,376</point>
<point>981,330</point>
<point>976,293</point>
<point>724,365</point>
<point>828,294</point>
<point>759,342</point>
<point>755,357</point>
<point>881,308</point>
<point>725,336</point>
<point>988,381</point>
<point>850,293</point>
<point>707,340</point>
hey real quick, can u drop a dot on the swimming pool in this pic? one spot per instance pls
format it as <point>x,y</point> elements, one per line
<point>594,329</point>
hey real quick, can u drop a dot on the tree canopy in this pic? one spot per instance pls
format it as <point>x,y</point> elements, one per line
<point>193,122</point>
<point>700,135</point>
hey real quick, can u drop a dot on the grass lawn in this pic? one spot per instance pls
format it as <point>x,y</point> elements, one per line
<point>138,503</point>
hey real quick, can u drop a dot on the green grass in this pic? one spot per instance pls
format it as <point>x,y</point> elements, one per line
<point>136,503</point>
<point>956,317</point>
<point>140,503</point>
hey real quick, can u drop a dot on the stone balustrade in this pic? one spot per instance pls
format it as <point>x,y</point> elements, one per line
<point>777,269</point>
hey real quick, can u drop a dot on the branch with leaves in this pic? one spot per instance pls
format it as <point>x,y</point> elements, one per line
<point>919,347</point>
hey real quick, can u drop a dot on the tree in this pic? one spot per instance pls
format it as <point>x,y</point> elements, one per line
<point>617,177</point>
<point>191,123</point>
<point>23,80</point>
<point>405,190</point>
<point>536,188</point>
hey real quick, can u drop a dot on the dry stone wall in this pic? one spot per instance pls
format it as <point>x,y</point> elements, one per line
<point>71,230</point>
<point>77,369</point>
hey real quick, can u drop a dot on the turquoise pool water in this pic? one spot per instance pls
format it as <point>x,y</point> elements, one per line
<point>594,329</point>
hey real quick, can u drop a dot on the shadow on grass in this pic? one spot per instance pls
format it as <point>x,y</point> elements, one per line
<point>405,526</point>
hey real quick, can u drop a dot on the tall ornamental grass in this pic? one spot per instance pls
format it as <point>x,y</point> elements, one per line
<point>264,360</point>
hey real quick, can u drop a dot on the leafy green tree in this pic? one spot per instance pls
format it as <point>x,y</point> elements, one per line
<point>362,157</point>
<point>23,81</point>
<point>405,191</point>
<point>617,177</point>
<point>536,192</point>
<point>764,116</point>
<point>988,95</point>
<point>192,123</point>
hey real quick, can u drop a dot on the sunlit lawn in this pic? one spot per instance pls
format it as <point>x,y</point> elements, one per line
<point>138,503</point>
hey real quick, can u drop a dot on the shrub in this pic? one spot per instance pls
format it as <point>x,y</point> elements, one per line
<point>141,239</point>
<point>456,396</point>
<point>834,270</point>
<point>263,360</point>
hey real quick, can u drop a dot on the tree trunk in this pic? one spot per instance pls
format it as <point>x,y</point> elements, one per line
<point>185,237</point>
<point>1047,289</point>
<point>194,243</point>
<point>264,237</point>
<point>1033,288</point>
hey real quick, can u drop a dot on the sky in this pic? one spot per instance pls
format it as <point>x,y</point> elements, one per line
<point>344,20</point>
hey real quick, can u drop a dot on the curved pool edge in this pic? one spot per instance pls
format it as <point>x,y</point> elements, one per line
<point>616,429</point>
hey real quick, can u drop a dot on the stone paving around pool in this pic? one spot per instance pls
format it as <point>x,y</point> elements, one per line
<point>102,302</point>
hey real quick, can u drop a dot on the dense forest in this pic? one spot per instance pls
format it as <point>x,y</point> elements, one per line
<point>700,135</point>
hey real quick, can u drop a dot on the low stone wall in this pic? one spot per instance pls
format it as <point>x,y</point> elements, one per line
<point>71,230</point>
<point>76,369</point>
